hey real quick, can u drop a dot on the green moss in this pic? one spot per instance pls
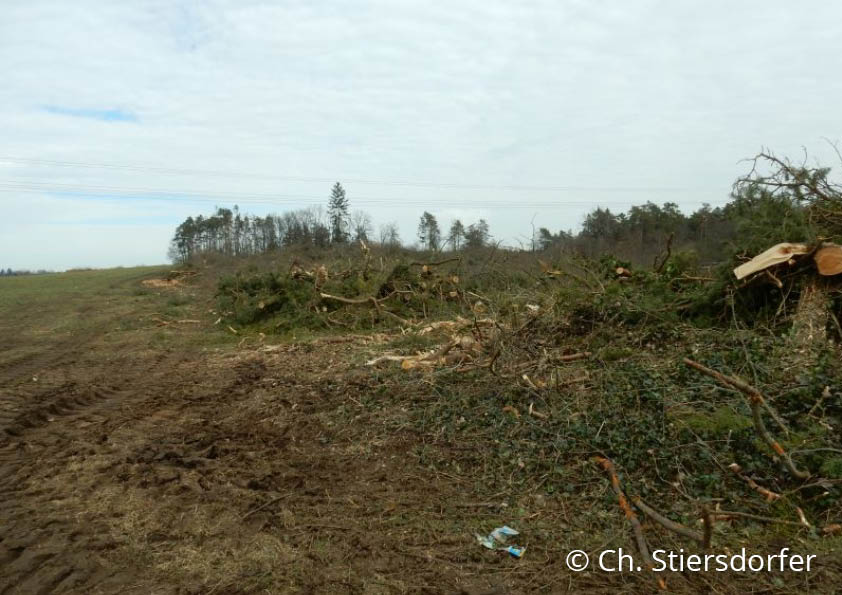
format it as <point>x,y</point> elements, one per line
<point>832,468</point>
<point>720,421</point>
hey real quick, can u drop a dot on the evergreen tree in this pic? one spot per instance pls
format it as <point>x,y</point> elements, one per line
<point>337,208</point>
<point>429,233</point>
<point>456,237</point>
<point>477,235</point>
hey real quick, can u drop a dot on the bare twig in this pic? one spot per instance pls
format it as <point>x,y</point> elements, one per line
<point>768,494</point>
<point>573,357</point>
<point>724,515</point>
<point>265,504</point>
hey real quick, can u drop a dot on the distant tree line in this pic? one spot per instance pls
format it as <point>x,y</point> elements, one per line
<point>754,219</point>
<point>10,273</point>
<point>232,233</point>
<point>643,231</point>
<point>793,203</point>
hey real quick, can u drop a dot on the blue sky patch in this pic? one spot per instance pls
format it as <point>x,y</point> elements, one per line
<point>104,115</point>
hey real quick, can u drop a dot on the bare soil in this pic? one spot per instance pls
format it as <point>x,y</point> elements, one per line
<point>139,461</point>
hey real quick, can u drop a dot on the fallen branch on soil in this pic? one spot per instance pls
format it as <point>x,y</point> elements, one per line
<point>409,362</point>
<point>537,414</point>
<point>665,522</point>
<point>456,324</point>
<point>354,301</point>
<point>642,547</point>
<point>162,322</point>
<point>265,504</point>
<point>756,401</point>
<point>366,300</point>
<point>725,515</point>
<point>768,494</point>
<point>573,357</point>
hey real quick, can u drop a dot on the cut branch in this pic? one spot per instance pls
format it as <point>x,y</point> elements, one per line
<point>665,522</point>
<point>766,493</point>
<point>756,401</point>
<point>724,515</point>
<point>642,547</point>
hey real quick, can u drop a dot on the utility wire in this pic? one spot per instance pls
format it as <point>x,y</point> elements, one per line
<point>420,184</point>
<point>16,186</point>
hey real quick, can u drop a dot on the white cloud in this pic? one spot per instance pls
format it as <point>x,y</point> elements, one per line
<point>574,93</point>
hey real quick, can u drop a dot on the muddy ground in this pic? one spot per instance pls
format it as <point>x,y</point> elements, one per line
<point>136,459</point>
<point>143,452</point>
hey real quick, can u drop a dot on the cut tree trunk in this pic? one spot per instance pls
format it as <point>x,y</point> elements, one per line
<point>809,324</point>
<point>829,260</point>
<point>777,254</point>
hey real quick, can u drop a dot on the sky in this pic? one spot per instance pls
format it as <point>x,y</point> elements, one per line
<point>120,119</point>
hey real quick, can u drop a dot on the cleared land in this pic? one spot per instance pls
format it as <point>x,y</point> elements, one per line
<point>144,449</point>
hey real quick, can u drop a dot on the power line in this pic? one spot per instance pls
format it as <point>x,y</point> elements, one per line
<point>17,186</point>
<point>420,184</point>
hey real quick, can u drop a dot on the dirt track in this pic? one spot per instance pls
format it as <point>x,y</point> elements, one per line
<point>132,462</point>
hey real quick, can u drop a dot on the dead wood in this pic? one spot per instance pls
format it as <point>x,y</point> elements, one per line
<point>660,267</point>
<point>370,300</point>
<point>766,493</point>
<point>264,505</point>
<point>353,301</point>
<point>409,362</point>
<point>777,254</point>
<point>665,522</point>
<point>756,401</point>
<point>573,357</point>
<point>537,414</point>
<point>809,323</point>
<point>829,259</point>
<point>640,540</point>
<point>724,515</point>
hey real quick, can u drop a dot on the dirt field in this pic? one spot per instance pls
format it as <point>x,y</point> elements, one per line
<point>136,457</point>
<point>145,450</point>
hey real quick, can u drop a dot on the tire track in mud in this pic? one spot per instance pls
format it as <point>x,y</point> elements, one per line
<point>47,433</point>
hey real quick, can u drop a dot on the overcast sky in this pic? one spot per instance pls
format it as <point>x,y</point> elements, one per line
<point>511,111</point>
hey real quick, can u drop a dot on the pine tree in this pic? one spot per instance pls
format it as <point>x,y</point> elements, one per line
<point>477,235</point>
<point>457,235</point>
<point>337,208</point>
<point>429,233</point>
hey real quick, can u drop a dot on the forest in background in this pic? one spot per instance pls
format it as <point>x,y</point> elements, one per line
<point>762,210</point>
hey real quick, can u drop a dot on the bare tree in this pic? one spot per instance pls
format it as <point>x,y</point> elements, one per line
<point>362,227</point>
<point>389,236</point>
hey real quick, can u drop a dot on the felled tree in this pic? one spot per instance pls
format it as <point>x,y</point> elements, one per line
<point>808,187</point>
<point>804,204</point>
